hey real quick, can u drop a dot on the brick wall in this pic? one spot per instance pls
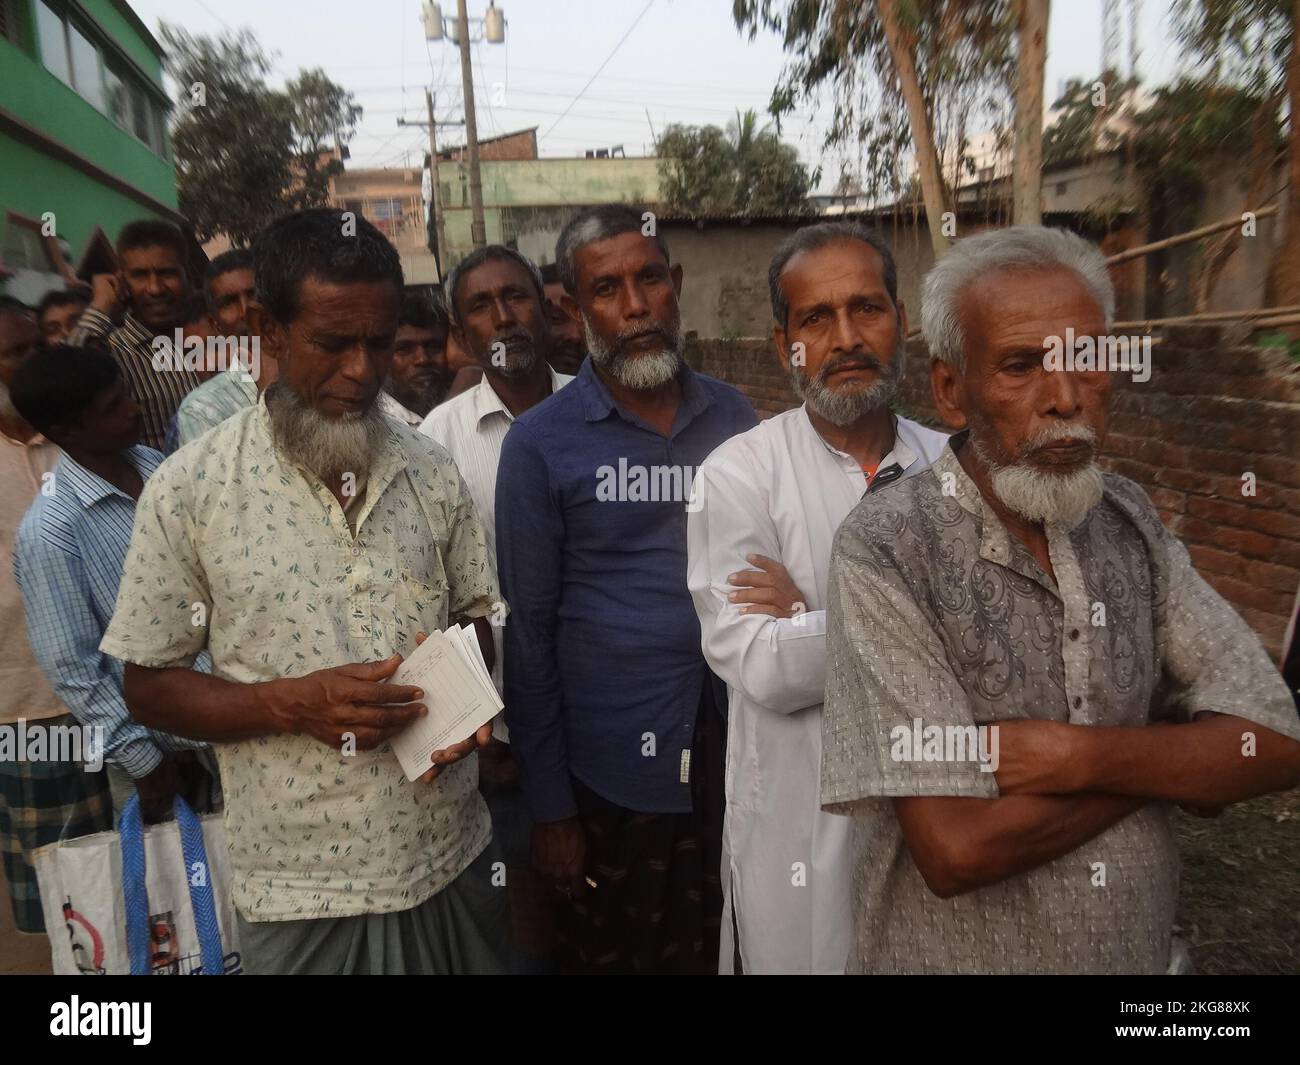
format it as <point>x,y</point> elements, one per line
<point>1209,414</point>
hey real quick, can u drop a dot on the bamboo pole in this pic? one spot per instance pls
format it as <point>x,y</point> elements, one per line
<point>1190,235</point>
<point>1206,317</point>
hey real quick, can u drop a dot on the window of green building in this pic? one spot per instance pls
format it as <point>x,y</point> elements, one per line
<point>104,80</point>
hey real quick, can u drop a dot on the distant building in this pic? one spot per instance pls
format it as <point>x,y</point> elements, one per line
<point>393,199</point>
<point>83,137</point>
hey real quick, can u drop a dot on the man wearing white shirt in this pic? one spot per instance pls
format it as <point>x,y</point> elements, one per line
<point>761,525</point>
<point>498,309</point>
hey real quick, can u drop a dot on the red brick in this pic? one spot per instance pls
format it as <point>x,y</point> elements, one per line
<point>1212,560</point>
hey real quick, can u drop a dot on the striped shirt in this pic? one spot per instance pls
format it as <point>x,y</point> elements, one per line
<point>217,399</point>
<point>159,392</point>
<point>68,562</point>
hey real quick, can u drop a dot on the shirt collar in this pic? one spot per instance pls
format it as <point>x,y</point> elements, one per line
<point>995,540</point>
<point>487,403</point>
<point>396,409</point>
<point>90,488</point>
<point>598,403</point>
<point>901,454</point>
<point>135,329</point>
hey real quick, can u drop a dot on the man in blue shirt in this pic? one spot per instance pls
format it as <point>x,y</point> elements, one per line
<point>68,562</point>
<point>610,705</point>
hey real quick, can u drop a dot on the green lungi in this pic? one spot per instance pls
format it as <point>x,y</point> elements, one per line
<point>462,930</point>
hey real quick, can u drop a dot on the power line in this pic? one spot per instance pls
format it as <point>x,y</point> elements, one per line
<point>602,66</point>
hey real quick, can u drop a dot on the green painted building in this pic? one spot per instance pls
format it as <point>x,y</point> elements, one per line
<point>83,135</point>
<point>527,201</point>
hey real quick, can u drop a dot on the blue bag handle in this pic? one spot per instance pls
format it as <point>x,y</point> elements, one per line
<point>136,896</point>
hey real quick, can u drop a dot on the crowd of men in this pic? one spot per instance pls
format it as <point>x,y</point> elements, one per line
<point>733,655</point>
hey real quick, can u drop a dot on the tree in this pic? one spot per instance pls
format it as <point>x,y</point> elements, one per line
<point>1249,47</point>
<point>246,153</point>
<point>1027,165</point>
<point>324,115</point>
<point>906,77</point>
<point>742,170</point>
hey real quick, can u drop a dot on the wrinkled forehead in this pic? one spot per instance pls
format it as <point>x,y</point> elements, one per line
<point>1025,304</point>
<point>616,256</point>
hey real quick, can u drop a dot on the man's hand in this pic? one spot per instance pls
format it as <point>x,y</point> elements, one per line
<point>766,590</point>
<point>334,704</point>
<point>1036,757</point>
<point>559,853</point>
<point>158,789</point>
<point>107,294</point>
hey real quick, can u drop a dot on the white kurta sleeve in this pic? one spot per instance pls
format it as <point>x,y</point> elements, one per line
<point>778,663</point>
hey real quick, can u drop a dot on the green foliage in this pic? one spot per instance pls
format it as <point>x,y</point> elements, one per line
<point>246,153</point>
<point>965,62</point>
<point>742,170</point>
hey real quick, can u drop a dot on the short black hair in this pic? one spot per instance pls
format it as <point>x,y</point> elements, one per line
<point>818,235</point>
<point>58,297</point>
<point>235,259</point>
<point>153,233</point>
<point>423,312</point>
<point>551,274</point>
<point>312,243</point>
<point>55,386</point>
<point>478,257</point>
<point>13,305</point>
<point>600,223</point>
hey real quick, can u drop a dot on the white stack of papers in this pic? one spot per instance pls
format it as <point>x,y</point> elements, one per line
<point>458,691</point>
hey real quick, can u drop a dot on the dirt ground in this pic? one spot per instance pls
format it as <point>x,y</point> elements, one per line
<point>1239,907</point>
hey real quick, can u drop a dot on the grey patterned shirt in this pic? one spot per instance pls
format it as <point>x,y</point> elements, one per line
<point>939,615</point>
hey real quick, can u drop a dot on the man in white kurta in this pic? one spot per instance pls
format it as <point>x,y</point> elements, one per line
<point>778,493</point>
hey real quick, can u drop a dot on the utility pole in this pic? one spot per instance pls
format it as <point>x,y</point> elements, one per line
<point>439,230</point>
<point>435,196</point>
<point>478,228</point>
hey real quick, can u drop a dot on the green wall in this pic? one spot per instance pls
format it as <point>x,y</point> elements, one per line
<point>32,182</point>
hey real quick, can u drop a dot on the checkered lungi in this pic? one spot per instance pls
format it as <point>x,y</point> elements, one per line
<point>40,803</point>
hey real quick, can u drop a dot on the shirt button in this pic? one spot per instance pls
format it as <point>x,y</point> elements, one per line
<point>1078,701</point>
<point>356,551</point>
<point>1074,634</point>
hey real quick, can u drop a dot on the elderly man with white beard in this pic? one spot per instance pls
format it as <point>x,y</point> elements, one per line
<point>1029,620</point>
<point>768,504</point>
<point>306,542</point>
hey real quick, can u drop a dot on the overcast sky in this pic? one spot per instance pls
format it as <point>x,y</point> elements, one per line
<point>679,61</point>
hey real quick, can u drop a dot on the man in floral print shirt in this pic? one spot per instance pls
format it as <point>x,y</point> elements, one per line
<point>304,543</point>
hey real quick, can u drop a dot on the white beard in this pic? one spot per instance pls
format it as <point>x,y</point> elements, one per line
<point>1040,495</point>
<point>328,447</point>
<point>651,369</point>
<point>844,407</point>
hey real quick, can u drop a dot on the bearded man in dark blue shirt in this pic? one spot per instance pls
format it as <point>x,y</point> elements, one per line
<point>612,710</point>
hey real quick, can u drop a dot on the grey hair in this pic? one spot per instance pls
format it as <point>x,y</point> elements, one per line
<point>477,258</point>
<point>599,223</point>
<point>810,238</point>
<point>1013,247</point>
